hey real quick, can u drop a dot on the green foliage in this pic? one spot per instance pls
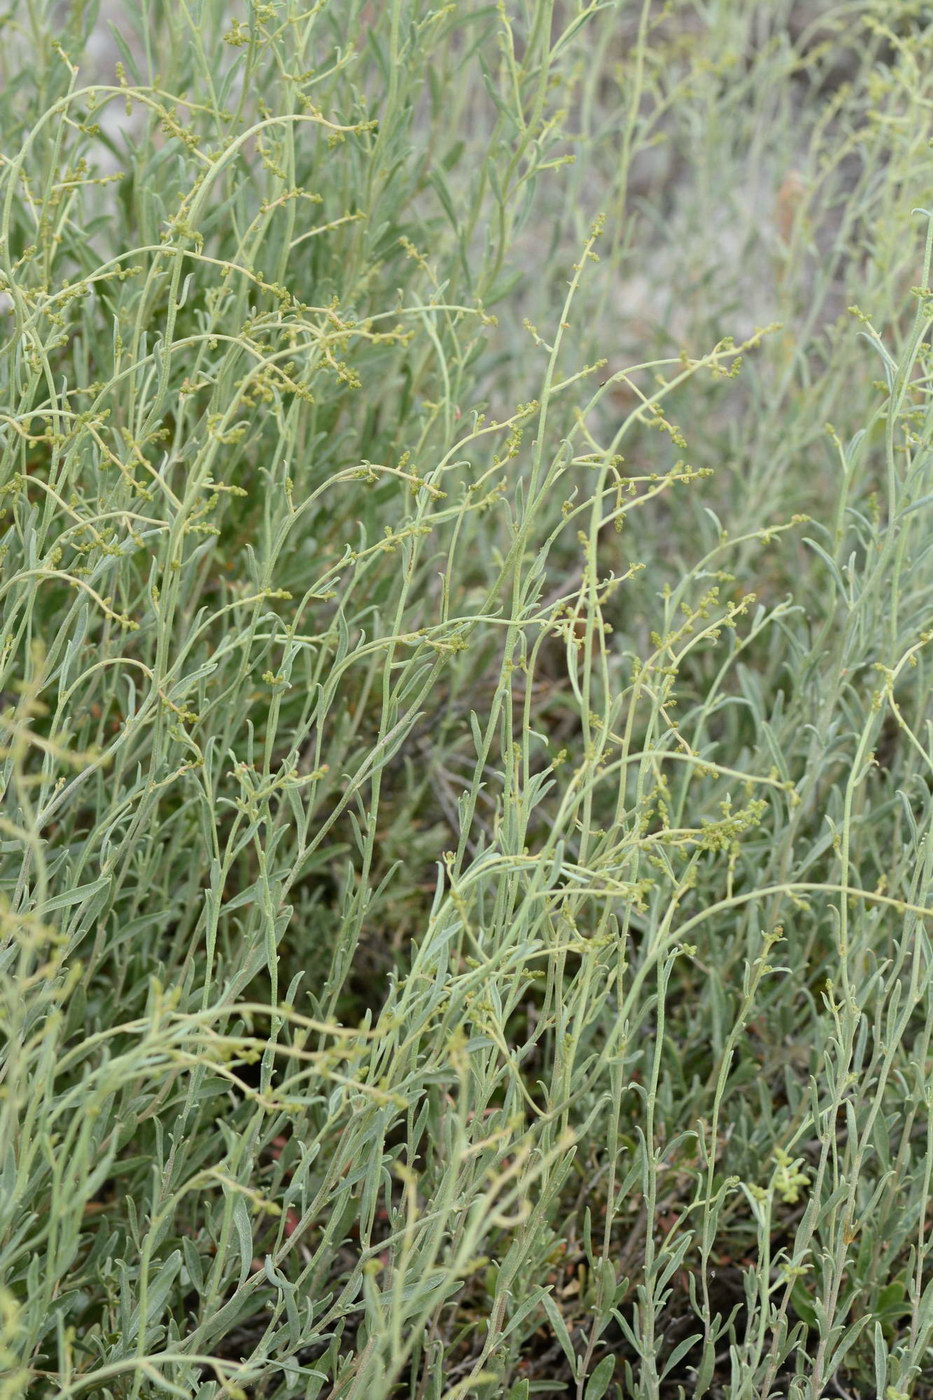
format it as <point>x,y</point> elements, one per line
<point>465,866</point>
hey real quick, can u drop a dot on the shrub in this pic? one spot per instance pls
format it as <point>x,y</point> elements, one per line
<point>465,861</point>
